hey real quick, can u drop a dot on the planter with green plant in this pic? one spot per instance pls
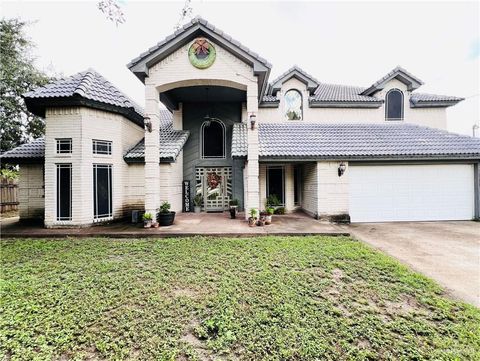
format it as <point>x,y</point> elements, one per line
<point>262,219</point>
<point>233,208</point>
<point>197,203</point>
<point>165,216</point>
<point>252,220</point>
<point>147,220</point>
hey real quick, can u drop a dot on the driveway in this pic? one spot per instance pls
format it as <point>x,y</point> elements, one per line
<point>448,252</point>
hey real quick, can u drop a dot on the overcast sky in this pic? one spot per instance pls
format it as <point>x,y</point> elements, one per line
<point>352,43</point>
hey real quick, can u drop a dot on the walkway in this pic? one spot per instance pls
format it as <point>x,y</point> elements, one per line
<point>186,224</point>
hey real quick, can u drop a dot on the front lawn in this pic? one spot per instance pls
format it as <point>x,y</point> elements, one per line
<point>277,298</point>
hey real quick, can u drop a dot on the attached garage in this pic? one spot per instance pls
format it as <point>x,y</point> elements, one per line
<point>433,192</point>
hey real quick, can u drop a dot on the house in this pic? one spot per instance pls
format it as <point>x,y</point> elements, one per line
<point>216,125</point>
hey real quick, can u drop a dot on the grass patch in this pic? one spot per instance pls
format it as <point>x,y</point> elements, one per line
<point>273,298</point>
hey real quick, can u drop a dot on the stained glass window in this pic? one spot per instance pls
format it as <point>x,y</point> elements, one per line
<point>293,105</point>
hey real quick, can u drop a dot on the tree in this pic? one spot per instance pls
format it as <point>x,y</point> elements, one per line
<point>18,75</point>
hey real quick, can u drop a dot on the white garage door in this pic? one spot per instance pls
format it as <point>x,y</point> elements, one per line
<point>411,192</point>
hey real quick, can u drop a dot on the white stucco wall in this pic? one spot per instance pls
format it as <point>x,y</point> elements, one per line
<point>31,191</point>
<point>83,125</point>
<point>332,190</point>
<point>430,117</point>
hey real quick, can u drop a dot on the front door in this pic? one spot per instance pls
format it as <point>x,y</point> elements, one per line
<point>215,184</point>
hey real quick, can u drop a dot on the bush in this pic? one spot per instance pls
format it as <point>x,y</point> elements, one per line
<point>280,210</point>
<point>197,200</point>
<point>233,202</point>
<point>272,201</point>
<point>253,213</point>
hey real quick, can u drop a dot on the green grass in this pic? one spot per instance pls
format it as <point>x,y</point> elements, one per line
<point>277,298</point>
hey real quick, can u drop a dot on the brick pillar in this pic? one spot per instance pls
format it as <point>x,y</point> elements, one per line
<point>152,150</point>
<point>252,170</point>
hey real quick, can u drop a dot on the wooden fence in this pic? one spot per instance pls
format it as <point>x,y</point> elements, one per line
<point>9,195</point>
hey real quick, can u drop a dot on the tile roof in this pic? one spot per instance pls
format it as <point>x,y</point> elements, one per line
<point>90,86</point>
<point>25,152</point>
<point>198,21</point>
<point>423,97</point>
<point>356,141</point>
<point>171,142</point>
<point>341,93</point>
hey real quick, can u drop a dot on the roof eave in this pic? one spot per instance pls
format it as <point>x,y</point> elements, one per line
<point>434,104</point>
<point>338,104</point>
<point>379,158</point>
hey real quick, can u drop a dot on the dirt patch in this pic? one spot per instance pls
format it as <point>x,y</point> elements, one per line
<point>363,344</point>
<point>198,345</point>
<point>337,275</point>
<point>184,292</point>
<point>406,305</point>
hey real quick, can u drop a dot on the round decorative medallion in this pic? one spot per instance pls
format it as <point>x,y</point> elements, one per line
<point>201,53</point>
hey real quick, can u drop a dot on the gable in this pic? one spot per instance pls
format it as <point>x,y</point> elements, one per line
<point>199,27</point>
<point>400,74</point>
<point>294,73</point>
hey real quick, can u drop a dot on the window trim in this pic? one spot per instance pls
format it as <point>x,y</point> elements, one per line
<point>202,140</point>
<point>59,141</point>
<point>402,107</point>
<point>95,143</point>
<point>301,105</point>
<point>109,216</point>
<point>59,166</point>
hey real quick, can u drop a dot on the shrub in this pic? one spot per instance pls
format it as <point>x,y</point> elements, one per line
<point>272,201</point>
<point>233,202</point>
<point>270,210</point>
<point>197,200</point>
<point>253,213</point>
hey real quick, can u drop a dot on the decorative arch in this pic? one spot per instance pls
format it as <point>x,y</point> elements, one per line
<point>198,81</point>
<point>213,139</point>
<point>394,105</point>
<point>293,109</point>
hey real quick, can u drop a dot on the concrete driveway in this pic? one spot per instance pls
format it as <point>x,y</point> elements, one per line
<point>448,252</point>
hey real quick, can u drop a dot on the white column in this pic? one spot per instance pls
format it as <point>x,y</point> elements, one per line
<point>252,170</point>
<point>152,150</point>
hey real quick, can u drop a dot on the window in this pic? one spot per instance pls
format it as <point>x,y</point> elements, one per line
<point>394,105</point>
<point>64,146</point>
<point>293,105</point>
<point>275,183</point>
<point>102,191</point>
<point>102,147</point>
<point>64,192</point>
<point>213,139</point>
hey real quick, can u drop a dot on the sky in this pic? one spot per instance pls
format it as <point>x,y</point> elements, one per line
<point>351,43</point>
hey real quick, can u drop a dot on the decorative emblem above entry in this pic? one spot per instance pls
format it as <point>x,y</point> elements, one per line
<point>201,53</point>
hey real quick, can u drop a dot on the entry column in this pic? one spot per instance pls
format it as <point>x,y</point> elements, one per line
<point>252,172</point>
<point>152,149</point>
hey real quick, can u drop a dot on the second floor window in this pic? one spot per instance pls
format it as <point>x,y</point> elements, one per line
<point>394,105</point>
<point>213,139</point>
<point>293,105</point>
<point>64,146</point>
<point>102,147</point>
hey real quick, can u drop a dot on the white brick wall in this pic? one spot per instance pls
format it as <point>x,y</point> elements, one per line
<point>31,192</point>
<point>332,189</point>
<point>430,117</point>
<point>83,125</point>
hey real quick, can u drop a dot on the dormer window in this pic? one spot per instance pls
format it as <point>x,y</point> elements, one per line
<point>293,105</point>
<point>394,105</point>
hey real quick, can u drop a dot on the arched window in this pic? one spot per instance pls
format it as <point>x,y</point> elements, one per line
<point>394,105</point>
<point>213,139</point>
<point>293,105</point>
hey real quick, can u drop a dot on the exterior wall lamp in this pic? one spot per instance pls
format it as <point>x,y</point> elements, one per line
<point>147,123</point>
<point>253,120</point>
<point>341,169</point>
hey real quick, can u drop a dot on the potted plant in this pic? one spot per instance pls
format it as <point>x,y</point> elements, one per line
<point>197,203</point>
<point>252,220</point>
<point>262,219</point>
<point>268,217</point>
<point>165,216</point>
<point>233,208</point>
<point>147,220</point>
